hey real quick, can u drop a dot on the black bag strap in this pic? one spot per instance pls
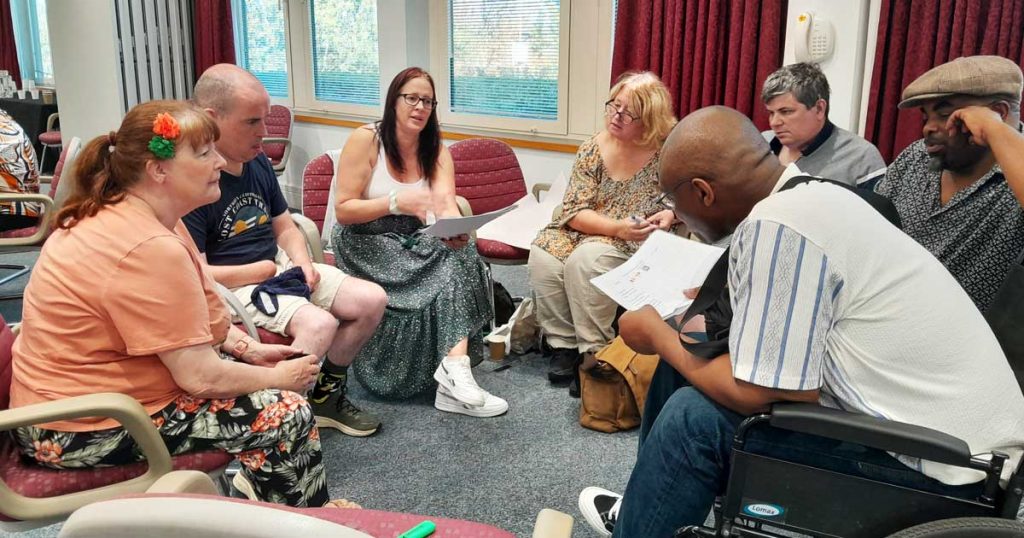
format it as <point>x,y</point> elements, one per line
<point>877,201</point>
<point>711,291</point>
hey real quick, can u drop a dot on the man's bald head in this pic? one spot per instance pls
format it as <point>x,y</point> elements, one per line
<point>221,85</point>
<point>717,165</point>
<point>239,104</point>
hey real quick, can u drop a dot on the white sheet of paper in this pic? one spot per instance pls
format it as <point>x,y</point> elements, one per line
<point>454,226</point>
<point>659,272</point>
<point>519,228</point>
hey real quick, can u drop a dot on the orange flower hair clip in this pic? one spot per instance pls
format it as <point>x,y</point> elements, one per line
<point>166,129</point>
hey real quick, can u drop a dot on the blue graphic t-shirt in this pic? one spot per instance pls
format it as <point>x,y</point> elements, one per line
<point>237,229</point>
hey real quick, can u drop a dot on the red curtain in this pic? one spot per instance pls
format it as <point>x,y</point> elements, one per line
<point>212,36</point>
<point>708,52</point>
<point>8,48</point>
<point>913,37</point>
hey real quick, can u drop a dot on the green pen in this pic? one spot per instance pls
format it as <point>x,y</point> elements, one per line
<point>420,531</point>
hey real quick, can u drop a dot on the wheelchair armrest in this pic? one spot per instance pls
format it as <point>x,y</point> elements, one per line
<point>869,431</point>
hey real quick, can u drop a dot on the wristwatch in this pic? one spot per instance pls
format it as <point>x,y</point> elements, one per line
<point>393,202</point>
<point>241,346</point>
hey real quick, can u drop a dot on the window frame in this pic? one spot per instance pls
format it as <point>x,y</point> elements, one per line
<point>413,32</point>
<point>30,58</point>
<point>301,60</point>
<point>441,69</point>
<point>238,23</point>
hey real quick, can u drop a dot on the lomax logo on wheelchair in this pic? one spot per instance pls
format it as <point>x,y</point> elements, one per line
<point>763,510</point>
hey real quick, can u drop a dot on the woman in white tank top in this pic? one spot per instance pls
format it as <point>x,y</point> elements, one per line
<point>391,175</point>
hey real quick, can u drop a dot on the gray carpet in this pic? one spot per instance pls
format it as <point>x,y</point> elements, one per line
<point>500,471</point>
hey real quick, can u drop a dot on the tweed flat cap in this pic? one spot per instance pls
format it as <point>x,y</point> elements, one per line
<point>970,75</point>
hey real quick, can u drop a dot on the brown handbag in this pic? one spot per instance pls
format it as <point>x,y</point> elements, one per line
<point>613,392</point>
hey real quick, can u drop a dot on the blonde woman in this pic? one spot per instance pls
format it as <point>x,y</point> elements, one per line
<point>608,210</point>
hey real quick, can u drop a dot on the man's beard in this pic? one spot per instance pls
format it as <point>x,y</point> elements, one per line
<point>935,163</point>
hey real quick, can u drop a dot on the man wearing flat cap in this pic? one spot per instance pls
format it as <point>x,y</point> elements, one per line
<point>950,190</point>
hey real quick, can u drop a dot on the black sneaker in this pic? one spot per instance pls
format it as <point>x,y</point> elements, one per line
<point>339,413</point>
<point>563,365</point>
<point>600,509</point>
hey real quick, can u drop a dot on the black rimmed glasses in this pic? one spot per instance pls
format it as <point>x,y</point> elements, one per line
<point>666,201</point>
<point>611,109</point>
<point>412,100</point>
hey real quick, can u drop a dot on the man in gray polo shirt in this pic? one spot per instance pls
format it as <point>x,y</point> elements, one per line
<point>796,97</point>
<point>951,194</point>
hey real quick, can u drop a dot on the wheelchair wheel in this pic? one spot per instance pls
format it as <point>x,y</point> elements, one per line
<point>973,527</point>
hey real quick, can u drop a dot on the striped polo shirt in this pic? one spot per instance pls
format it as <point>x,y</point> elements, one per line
<point>829,295</point>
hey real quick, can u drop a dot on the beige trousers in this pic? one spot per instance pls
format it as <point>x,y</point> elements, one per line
<point>571,312</point>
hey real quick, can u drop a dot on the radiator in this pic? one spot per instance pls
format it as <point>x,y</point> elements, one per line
<point>155,45</point>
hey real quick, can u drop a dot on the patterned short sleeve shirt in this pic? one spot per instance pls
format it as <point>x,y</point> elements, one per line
<point>977,235</point>
<point>591,187</point>
<point>17,167</point>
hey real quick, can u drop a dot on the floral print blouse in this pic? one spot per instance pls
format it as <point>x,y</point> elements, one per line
<point>590,187</point>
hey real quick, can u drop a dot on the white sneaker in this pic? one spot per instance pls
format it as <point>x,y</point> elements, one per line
<point>492,407</point>
<point>600,509</point>
<point>454,374</point>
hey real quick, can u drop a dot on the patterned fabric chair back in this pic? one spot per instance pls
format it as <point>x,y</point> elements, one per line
<point>487,174</point>
<point>316,188</point>
<point>279,125</point>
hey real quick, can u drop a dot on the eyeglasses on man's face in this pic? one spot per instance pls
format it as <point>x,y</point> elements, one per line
<point>667,201</point>
<point>412,100</point>
<point>611,109</point>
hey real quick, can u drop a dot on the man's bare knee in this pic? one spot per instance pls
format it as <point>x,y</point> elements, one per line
<point>359,298</point>
<point>312,320</point>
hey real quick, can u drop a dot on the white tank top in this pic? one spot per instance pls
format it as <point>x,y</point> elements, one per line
<point>382,183</point>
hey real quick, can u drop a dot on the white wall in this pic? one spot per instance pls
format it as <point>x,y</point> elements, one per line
<point>845,69</point>
<point>85,64</point>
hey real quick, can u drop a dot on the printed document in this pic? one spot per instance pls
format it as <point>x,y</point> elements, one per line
<point>453,226</point>
<point>659,272</point>
<point>519,228</point>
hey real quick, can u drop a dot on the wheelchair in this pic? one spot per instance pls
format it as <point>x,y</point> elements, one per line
<point>768,498</point>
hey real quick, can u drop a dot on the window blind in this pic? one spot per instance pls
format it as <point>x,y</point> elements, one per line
<point>503,57</point>
<point>346,68</point>
<point>261,43</point>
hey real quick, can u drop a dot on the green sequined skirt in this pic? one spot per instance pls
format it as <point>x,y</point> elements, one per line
<point>436,297</point>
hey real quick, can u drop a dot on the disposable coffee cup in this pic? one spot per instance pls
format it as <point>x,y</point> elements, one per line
<point>21,94</point>
<point>34,94</point>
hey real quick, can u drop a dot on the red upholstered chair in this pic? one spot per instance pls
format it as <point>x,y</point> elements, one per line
<point>51,138</point>
<point>278,145</point>
<point>488,176</point>
<point>31,238</point>
<point>58,191</point>
<point>31,495</point>
<point>316,191</point>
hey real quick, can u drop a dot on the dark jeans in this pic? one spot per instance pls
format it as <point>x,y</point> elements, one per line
<point>683,461</point>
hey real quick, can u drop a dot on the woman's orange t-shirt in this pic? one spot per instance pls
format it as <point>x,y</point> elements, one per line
<point>103,300</point>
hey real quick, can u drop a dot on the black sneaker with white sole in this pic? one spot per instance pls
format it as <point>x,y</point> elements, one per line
<point>600,508</point>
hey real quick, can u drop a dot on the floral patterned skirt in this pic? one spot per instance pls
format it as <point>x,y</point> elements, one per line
<point>436,297</point>
<point>272,432</point>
